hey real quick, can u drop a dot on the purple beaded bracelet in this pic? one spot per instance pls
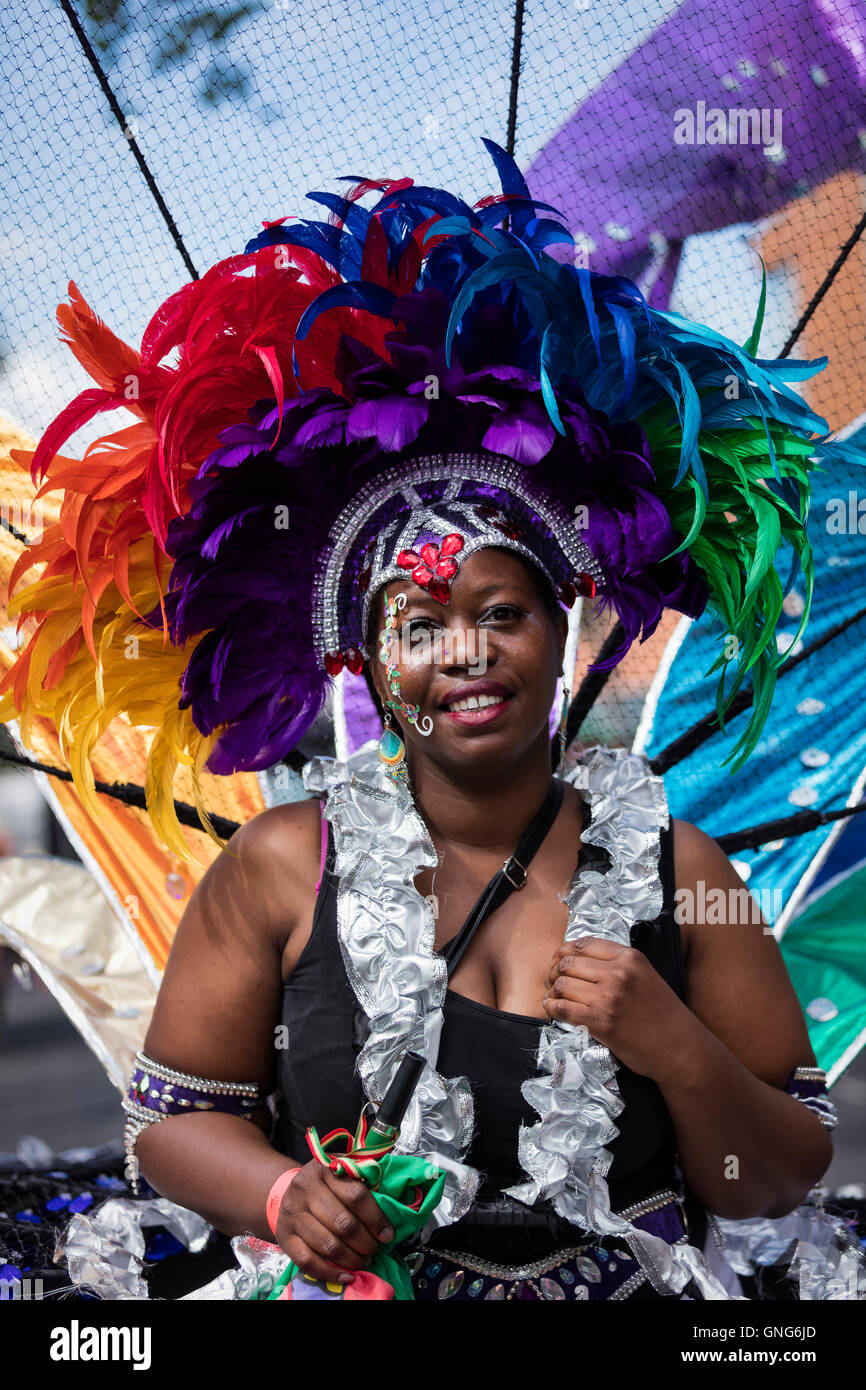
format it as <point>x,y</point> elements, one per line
<point>156,1091</point>
<point>809,1085</point>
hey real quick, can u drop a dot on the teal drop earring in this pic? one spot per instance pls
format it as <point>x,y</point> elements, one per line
<point>392,751</point>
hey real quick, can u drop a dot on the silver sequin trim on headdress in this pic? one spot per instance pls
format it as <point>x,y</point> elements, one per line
<point>554,531</point>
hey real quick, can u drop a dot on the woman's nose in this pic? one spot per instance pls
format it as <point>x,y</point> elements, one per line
<point>466,648</point>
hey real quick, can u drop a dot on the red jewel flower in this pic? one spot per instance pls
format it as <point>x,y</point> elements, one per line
<point>434,566</point>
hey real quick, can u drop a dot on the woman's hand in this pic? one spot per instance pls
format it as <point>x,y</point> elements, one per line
<point>330,1225</point>
<point>615,993</point>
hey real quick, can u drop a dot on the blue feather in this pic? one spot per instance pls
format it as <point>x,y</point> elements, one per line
<point>545,354</point>
<point>542,232</point>
<point>320,237</point>
<point>358,294</point>
<point>449,226</point>
<point>510,178</point>
<point>356,218</point>
<point>288,236</point>
<point>799,370</point>
<point>509,265</point>
<point>626,336</point>
<point>585,283</point>
<point>495,212</point>
<point>425,201</point>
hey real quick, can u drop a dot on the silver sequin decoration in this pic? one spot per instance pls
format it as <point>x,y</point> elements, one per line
<point>810,706</point>
<point>821,1009</point>
<point>793,605</point>
<point>814,757</point>
<point>803,795</point>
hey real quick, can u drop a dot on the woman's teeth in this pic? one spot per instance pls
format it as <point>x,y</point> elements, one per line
<point>476,702</point>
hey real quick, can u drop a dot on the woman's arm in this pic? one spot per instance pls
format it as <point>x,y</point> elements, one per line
<point>745,1145</point>
<point>722,1057</point>
<point>216,1017</point>
<point>217,1011</point>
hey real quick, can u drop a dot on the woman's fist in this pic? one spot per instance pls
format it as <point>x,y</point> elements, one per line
<point>330,1225</point>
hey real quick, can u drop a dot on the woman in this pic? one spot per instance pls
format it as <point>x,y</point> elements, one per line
<point>402,447</point>
<point>720,1057</point>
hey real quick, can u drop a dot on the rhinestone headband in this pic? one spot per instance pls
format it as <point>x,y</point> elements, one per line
<point>450,505</point>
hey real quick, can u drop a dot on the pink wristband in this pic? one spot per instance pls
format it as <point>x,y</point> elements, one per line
<point>275,1197</point>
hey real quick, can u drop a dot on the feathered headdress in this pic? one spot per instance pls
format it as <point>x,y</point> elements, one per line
<point>416,370</point>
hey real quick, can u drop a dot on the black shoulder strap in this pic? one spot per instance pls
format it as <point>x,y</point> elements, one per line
<point>512,875</point>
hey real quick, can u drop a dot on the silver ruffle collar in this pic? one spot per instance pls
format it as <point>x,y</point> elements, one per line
<point>386,930</point>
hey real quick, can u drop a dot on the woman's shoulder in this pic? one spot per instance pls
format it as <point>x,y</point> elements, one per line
<point>281,841</point>
<point>223,958</point>
<point>281,835</point>
<point>697,856</point>
<point>707,887</point>
<point>272,861</point>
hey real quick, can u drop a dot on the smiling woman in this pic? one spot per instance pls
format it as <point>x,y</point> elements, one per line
<point>489,976</point>
<point>675,1009</point>
<point>466,434</point>
<point>595,1078</point>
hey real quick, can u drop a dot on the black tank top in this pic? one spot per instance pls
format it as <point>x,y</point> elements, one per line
<point>317,1084</point>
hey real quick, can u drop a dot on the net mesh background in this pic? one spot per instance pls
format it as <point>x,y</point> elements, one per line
<point>238,111</point>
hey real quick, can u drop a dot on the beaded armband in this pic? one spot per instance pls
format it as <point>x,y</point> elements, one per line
<point>155,1092</point>
<point>809,1084</point>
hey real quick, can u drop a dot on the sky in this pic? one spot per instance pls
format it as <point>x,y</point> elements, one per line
<point>342,87</point>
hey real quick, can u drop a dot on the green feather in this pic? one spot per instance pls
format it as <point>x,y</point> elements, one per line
<point>751,344</point>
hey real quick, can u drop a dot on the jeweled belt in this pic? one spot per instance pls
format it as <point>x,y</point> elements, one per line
<point>588,1270</point>
<point>504,1231</point>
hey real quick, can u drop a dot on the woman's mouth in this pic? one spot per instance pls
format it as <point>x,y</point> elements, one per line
<point>480,707</point>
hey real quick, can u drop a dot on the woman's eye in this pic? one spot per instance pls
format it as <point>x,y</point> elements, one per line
<point>502,612</point>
